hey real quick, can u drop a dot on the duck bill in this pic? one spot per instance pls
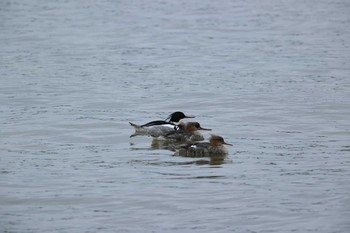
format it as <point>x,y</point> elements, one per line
<point>204,129</point>
<point>227,144</point>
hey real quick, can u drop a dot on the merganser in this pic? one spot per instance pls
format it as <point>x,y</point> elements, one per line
<point>160,127</point>
<point>187,132</point>
<point>215,146</point>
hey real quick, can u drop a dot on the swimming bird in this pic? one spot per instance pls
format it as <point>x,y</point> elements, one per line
<point>160,127</point>
<point>187,132</point>
<point>215,146</point>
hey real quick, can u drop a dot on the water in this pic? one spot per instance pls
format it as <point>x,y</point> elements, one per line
<point>270,77</point>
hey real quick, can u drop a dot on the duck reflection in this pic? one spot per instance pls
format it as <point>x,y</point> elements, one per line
<point>212,161</point>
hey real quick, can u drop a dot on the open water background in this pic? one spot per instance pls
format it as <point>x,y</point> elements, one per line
<point>271,77</point>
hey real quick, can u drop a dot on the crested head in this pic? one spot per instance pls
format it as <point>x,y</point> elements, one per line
<point>177,116</point>
<point>216,140</point>
<point>193,126</point>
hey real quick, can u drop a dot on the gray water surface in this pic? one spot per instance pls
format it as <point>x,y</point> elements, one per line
<point>271,77</point>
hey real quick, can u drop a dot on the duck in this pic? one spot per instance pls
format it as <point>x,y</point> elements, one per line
<point>160,127</point>
<point>187,132</point>
<point>215,147</point>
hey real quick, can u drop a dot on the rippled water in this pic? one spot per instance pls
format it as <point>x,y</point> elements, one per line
<point>271,77</point>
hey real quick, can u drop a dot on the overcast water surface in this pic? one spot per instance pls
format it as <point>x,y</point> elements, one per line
<point>271,77</point>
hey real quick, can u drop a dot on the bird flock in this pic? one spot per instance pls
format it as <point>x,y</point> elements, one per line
<point>184,138</point>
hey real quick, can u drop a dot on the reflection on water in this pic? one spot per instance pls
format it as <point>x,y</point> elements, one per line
<point>214,160</point>
<point>165,144</point>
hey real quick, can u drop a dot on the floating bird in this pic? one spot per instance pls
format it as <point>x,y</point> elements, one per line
<point>187,132</point>
<point>160,127</point>
<point>215,146</point>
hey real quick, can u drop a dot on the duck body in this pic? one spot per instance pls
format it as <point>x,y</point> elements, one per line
<point>154,128</point>
<point>215,147</point>
<point>202,149</point>
<point>187,132</point>
<point>159,127</point>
